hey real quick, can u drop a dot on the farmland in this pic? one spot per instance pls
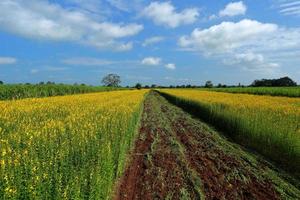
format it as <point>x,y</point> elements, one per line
<point>70,147</point>
<point>269,125</point>
<point>145,144</point>
<point>272,91</point>
<point>179,157</point>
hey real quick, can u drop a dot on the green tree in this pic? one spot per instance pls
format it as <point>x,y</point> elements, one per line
<point>209,84</point>
<point>111,80</point>
<point>138,86</point>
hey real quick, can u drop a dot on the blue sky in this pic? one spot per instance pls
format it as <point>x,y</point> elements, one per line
<point>161,42</point>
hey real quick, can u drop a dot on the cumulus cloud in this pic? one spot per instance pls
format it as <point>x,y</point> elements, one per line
<point>224,38</point>
<point>250,61</point>
<point>151,61</point>
<point>152,40</point>
<point>233,40</point>
<point>48,21</point>
<point>7,60</point>
<point>171,66</point>
<point>233,9</point>
<point>164,13</point>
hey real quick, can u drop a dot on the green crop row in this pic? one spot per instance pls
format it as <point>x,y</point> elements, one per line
<point>272,91</point>
<point>269,125</point>
<point>19,91</point>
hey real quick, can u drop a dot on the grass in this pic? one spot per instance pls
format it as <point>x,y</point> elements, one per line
<point>270,125</point>
<point>19,91</point>
<point>68,147</point>
<point>272,91</point>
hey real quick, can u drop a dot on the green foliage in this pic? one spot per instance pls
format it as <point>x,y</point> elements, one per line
<point>111,80</point>
<point>138,86</point>
<point>272,91</point>
<point>209,84</point>
<point>19,91</point>
<point>281,82</point>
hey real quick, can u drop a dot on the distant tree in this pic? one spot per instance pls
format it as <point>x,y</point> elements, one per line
<point>50,83</point>
<point>188,86</point>
<point>219,85</point>
<point>285,81</point>
<point>1,83</point>
<point>281,82</point>
<point>209,84</point>
<point>153,86</point>
<point>147,86</point>
<point>111,80</point>
<point>82,84</point>
<point>138,86</point>
<point>171,86</point>
<point>41,83</point>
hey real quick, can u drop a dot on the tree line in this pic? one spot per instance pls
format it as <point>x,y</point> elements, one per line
<point>114,80</point>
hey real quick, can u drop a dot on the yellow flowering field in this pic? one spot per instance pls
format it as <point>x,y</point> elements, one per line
<point>69,147</point>
<point>270,125</point>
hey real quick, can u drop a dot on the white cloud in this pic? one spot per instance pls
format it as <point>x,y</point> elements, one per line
<point>224,38</point>
<point>233,9</point>
<point>7,60</point>
<point>151,61</point>
<point>55,69</point>
<point>34,71</point>
<point>48,69</point>
<point>125,47</point>
<point>152,40</point>
<point>230,40</point>
<point>290,8</point>
<point>87,61</point>
<point>171,66</point>
<point>119,4</point>
<point>252,62</point>
<point>94,7</point>
<point>48,21</point>
<point>94,62</point>
<point>126,5</point>
<point>291,3</point>
<point>164,13</point>
<point>154,61</point>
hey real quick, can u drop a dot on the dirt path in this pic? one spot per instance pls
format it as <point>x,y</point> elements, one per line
<point>178,157</point>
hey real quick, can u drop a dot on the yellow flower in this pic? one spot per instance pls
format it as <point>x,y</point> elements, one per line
<point>59,132</point>
<point>2,163</point>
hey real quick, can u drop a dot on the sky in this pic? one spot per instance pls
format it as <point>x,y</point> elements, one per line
<point>151,42</point>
